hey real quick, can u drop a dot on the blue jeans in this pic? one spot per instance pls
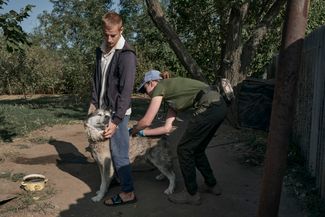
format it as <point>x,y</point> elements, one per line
<point>120,155</point>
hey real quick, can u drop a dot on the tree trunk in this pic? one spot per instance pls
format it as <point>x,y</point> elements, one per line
<point>186,59</point>
<point>238,55</point>
<point>231,64</point>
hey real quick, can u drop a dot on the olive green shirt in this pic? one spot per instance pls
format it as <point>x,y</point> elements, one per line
<point>179,93</point>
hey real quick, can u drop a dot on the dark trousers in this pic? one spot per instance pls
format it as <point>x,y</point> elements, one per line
<point>191,149</point>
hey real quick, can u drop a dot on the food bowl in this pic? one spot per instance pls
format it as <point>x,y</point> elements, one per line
<point>33,182</point>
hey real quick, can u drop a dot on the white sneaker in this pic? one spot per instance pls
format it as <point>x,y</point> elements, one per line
<point>185,198</point>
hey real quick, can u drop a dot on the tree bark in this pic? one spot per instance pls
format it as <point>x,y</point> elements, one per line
<point>186,59</point>
<point>233,47</point>
<point>239,55</point>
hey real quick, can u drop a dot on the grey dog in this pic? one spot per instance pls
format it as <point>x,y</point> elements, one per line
<point>153,149</point>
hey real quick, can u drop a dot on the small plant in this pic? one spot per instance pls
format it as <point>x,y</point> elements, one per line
<point>5,175</point>
<point>252,151</point>
<point>36,201</point>
<point>39,140</point>
<point>17,177</point>
<point>300,183</point>
<point>9,175</point>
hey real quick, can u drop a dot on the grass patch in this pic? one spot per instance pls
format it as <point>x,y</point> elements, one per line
<point>40,140</point>
<point>37,201</point>
<point>9,175</point>
<point>8,155</point>
<point>21,116</point>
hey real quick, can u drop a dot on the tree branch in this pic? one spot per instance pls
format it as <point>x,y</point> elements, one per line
<point>258,34</point>
<point>186,59</point>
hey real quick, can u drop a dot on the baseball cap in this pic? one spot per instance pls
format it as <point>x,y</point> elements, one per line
<point>151,75</point>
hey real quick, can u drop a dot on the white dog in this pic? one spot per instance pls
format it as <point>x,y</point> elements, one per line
<point>153,149</point>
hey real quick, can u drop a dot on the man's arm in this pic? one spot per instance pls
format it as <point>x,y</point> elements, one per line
<point>165,129</point>
<point>127,69</point>
<point>149,116</point>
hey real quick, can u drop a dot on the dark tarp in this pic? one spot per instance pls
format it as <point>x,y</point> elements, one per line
<point>255,103</point>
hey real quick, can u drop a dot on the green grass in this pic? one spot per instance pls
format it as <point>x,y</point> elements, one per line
<point>21,116</point>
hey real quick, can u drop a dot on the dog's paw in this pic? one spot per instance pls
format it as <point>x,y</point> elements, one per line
<point>169,191</point>
<point>160,177</point>
<point>97,198</point>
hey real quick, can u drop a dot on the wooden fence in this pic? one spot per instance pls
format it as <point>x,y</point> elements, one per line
<point>309,124</point>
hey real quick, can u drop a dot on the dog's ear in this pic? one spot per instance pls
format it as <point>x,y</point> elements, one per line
<point>86,124</point>
<point>90,114</point>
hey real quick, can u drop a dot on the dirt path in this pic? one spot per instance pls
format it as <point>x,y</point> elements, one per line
<point>74,178</point>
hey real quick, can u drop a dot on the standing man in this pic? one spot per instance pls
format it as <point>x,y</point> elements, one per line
<point>112,88</point>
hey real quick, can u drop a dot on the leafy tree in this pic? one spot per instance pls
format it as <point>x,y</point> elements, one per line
<point>37,70</point>
<point>73,29</point>
<point>9,23</point>
<point>153,51</point>
<point>316,15</point>
<point>234,39</point>
<point>224,36</point>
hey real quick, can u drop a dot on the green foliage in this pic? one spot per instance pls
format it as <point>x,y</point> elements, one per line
<point>198,24</point>
<point>61,59</point>
<point>73,29</point>
<point>316,16</point>
<point>14,35</point>
<point>153,51</point>
<point>37,70</point>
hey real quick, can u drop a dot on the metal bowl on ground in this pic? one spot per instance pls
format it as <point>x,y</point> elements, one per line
<point>34,182</point>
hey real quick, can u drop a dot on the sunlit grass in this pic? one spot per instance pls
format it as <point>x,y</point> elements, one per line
<point>21,116</point>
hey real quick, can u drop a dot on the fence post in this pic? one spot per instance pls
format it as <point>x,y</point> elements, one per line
<point>283,107</point>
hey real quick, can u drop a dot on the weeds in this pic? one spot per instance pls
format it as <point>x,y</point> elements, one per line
<point>10,176</point>
<point>300,183</point>
<point>33,201</point>
<point>39,140</point>
<point>298,180</point>
<point>36,201</point>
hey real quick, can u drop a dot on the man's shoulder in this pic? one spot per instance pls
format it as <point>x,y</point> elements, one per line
<point>127,48</point>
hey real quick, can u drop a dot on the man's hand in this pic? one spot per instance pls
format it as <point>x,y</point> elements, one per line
<point>110,130</point>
